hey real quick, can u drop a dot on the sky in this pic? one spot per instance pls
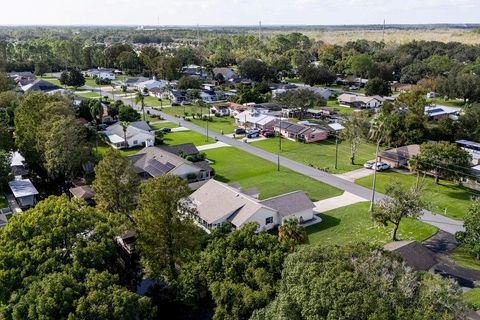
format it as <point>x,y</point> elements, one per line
<point>237,12</point>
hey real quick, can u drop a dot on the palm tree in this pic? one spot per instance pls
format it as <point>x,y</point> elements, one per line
<point>292,233</point>
<point>141,98</point>
<point>125,125</point>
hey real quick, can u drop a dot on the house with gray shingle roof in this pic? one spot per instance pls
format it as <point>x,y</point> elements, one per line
<point>216,204</point>
<point>138,134</point>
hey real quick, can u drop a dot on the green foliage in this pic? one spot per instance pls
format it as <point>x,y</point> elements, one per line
<point>127,113</point>
<point>358,282</point>
<point>354,132</point>
<point>239,270</point>
<point>186,83</point>
<point>377,86</point>
<point>166,237</point>
<point>301,99</point>
<point>401,203</point>
<point>5,170</point>
<point>6,83</point>
<point>255,70</point>
<point>443,160</point>
<point>470,238</point>
<point>292,234</point>
<point>72,78</point>
<point>116,184</point>
<point>313,75</point>
<point>59,261</point>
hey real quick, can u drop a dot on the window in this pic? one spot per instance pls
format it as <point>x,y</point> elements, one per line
<point>135,142</point>
<point>269,220</point>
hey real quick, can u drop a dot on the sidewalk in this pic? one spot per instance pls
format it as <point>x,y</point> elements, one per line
<point>344,200</point>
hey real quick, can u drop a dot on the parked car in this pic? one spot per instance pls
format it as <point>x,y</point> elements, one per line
<point>101,127</point>
<point>240,131</point>
<point>369,164</point>
<point>166,130</point>
<point>380,166</point>
<point>253,133</point>
<point>269,134</point>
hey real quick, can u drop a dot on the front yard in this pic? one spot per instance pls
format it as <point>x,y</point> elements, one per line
<point>353,224</point>
<point>447,198</point>
<point>198,139</point>
<point>320,154</point>
<point>472,298</point>
<point>233,165</point>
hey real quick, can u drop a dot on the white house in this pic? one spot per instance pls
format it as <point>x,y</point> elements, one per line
<point>106,74</point>
<point>216,204</point>
<point>24,192</point>
<point>227,73</point>
<point>254,119</point>
<point>362,102</point>
<point>138,134</point>
<point>150,84</point>
<point>220,110</point>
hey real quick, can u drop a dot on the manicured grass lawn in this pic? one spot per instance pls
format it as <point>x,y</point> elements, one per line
<point>153,102</point>
<point>465,259</point>
<point>236,166</point>
<point>158,126</point>
<point>472,298</point>
<point>180,137</point>
<point>353,224</point>
<point>218,124</point>
<point>3,202</point>
<point>447,198</point>
<point>103,148</point>
<point>320,154</point>
<point>448,103</point>
<point>90,82</point>
<point>89,94</point>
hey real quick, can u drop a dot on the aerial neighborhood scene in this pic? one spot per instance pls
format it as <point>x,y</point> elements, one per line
<point>235,160</point>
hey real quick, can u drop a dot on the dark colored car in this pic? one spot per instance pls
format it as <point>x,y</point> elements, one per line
<point>253,133</point>
<point>101,127</point>
<point>240,131</point>
<point>166,130</point>
<point>269,134</point>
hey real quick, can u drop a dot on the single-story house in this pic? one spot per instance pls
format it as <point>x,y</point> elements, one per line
<point>176,96</point>
<point>361,102</point>
<point>22,78</point>
<point>83,192</point>
<point>184,150</point>
<point>156,92</point>
<point>152,162</point>
<point>236,108</point>
<point>300,132</point>
<point>415,255</point>
<point>314,135</point>
<point>216,204</point>
<point>472,147</point>
<point>437,112</point>
<point>323,92</point>
<point>150,84</point>
<point>220,110</point>
<point>138,134</point>
<point>101,73</point>
<point>39,85</point>
<point>227,73</point>
<point>254,119</point>
<point>211,96</point>
<point>132,82</point>
<point>24,192</point>
<point>398,157</point>
<point>195,71</point>
<point>17,165</point>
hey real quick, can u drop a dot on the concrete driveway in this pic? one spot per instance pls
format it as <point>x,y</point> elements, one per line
<point>355,174</point>
<point>344,200</point>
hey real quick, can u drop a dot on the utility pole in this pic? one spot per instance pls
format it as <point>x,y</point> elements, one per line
<point>336,150</point>
<point>208,120</point>
<point>372,203</point>
<point>260,29</point>
<point>279,144</point>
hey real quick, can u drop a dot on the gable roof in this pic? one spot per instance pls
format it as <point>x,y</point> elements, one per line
<point>156,162</point>
<point>351,98</point>
<point>413,253</point>
<point>82,192</point>
<point>289,203</point>
<point>401,154</point>
<point>133,129</point>
<point>216,201</point>
<point>40,85</point>
<point>186,148</point>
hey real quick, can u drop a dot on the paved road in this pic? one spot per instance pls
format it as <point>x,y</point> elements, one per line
<point>439,221</point>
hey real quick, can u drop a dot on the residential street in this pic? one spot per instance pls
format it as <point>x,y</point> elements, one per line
<point>443,223</point>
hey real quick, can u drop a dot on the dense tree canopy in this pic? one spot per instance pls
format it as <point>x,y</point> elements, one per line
<point>358,282</point>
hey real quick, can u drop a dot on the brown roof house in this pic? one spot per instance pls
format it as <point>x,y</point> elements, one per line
<point>415,255</point>
<point>398,157</point>
<point>83,192</point>
<point>216,204</point>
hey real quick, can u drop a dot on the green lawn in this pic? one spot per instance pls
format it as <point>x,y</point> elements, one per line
<point>89,94</point>
<point>465,259</point>
<point>447,198</point>
<point>472,298</point>
<point>233,165</point>
<point>158,126</point>
<point>180,137</point>
<point>154,102</point>
<point>3,202</point>
<point>320,154</point>
<point>103,148</point>
<point>448,103</point>
<point>218,124</point>
<point>353,224</point>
